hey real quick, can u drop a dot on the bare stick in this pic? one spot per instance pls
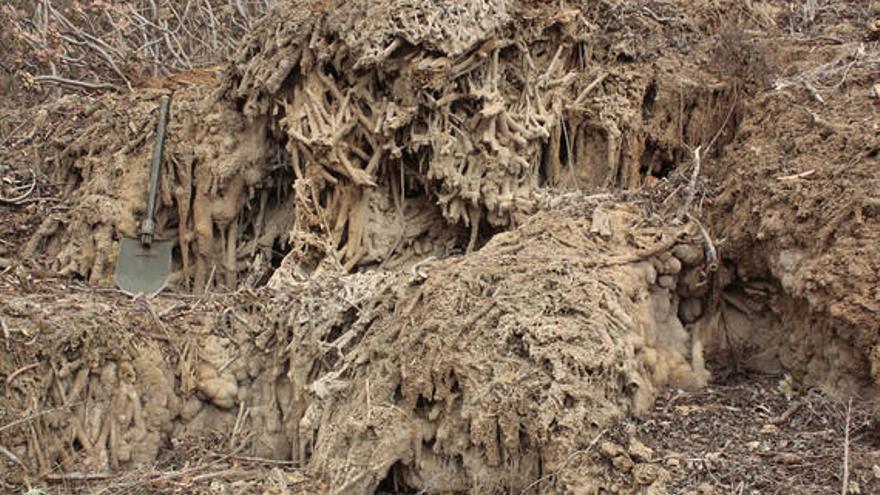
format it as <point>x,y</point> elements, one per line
<point>12,133</point>
<point>369,408</point>
<point>78,477</point>
<point>692,185</point>
<point>5,332</point>
<point>798,176</point>
<point>844,489</point>
<point>20,371</point>
<point>210,279</point>
<point>36,415</point>
<point>785,416</point>
<point>61,81</point>
<point>259,460</point>
<point>12,457</point>
<point>581,97</point>
<point>162,326</point>
<point>18,199</point>
<point>708,245</point>
<point>726,120</point>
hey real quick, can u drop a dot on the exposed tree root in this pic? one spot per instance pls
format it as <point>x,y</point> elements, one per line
<point>369,145</point>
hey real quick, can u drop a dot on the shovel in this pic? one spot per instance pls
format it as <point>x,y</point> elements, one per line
<point>144,263</point>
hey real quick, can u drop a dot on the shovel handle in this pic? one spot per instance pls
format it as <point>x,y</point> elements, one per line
<point>148,229</point>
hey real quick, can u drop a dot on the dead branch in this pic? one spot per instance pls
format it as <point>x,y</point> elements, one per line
<point>797,176</point>
<point>12,457</point>
<point>708,245</point>
<point>726,119</point>
<point>34,416</point>
<point>19,371</point>
<point>844,489</point>
<point>586,92</point>
<point>71,83</point>
<point>692,185</point>
<point>13,132</point>
<point>78,477</point>
<point>6,335</point>
<point>785,416</point>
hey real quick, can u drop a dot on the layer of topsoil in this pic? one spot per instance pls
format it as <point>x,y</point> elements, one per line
<point>461,247</point>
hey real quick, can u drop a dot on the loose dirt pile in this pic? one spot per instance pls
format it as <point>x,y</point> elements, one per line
<point>498,382</point>
<point>446,247</point>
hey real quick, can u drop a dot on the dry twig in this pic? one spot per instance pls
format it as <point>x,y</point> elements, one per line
<point>31,417</point>
<point>18,372</point>
<point>708,245</point>
<point>72,83</point>
<point>844,489</point>
<point>692,185</point>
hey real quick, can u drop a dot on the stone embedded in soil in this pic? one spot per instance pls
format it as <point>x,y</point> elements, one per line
<point>690,309</point>
<point>689,255</point>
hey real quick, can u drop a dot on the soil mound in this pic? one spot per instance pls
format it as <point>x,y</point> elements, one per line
<point>465,372</point>
<point>386,104</point>
<point>377,135</point>
<point>455,371</point>
<point>216,166</point>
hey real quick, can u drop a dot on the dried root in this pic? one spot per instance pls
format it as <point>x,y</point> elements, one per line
<point>366,135</point>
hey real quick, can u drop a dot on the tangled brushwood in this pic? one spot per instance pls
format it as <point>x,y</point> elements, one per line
<point>471,105</point>
<point>87,45</point>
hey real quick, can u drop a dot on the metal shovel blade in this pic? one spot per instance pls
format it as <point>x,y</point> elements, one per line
<point>141,268</point>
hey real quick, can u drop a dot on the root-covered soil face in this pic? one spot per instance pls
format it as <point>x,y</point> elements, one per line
<point>447,247</point>
<point>494,374</point>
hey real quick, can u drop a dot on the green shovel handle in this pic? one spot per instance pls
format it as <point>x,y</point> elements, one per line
<point>148,228</point>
